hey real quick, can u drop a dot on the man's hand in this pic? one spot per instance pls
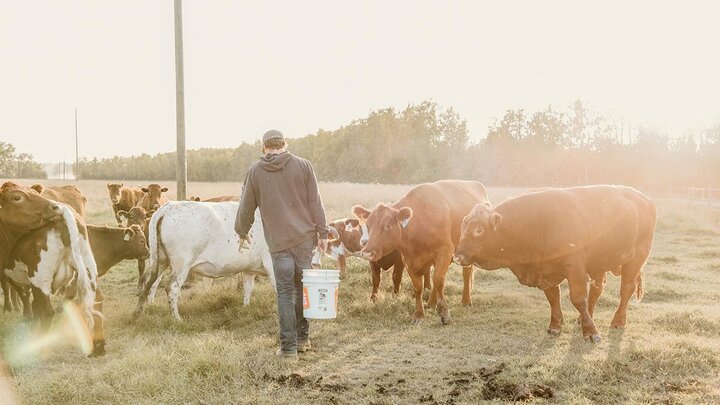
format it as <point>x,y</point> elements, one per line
<point>322,244</point>
<point>244,244</point>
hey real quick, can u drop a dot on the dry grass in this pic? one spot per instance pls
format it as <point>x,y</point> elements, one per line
<point>223,352</point>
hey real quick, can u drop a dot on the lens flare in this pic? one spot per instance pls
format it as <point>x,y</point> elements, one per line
<point>69,330</point>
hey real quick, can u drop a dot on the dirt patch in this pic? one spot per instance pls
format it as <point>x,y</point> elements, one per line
<point>296,380</point>
<point>492,388</point>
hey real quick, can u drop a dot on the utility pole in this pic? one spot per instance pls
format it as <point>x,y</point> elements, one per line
<point>77,156</point>
<point>180,104</point>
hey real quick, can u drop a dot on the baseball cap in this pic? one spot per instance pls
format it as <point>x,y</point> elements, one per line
<point>272,134</point>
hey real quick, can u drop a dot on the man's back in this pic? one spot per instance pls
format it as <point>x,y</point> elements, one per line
<point>285,189</point>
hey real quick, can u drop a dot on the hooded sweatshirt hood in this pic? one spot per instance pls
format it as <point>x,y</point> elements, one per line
<point>274,162</point>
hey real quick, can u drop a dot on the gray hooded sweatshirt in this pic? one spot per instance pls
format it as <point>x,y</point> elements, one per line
<point>285,189</point>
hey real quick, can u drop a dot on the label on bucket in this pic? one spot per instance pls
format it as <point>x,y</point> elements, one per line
<point>323,298</point>
<point>306,298</point>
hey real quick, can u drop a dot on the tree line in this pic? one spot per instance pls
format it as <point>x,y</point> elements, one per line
<point>18,165</point>
<point>424,142</point>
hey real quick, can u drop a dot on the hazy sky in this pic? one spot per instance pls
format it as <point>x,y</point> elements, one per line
<point>299,66</point>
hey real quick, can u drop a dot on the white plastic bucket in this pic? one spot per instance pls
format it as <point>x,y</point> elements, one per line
<point>320,293</point>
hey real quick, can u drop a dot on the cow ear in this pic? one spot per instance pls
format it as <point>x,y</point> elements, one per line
<point>107,185</point>
<point>352,222</point>
<point>333,233</point>
<point>123,215</point>
<point>495,221</point>
<point>144,189</point>
<point>37,187</point>
<point>129,233</point>
<point>196,199</point>
<point>404,214</point>
<point>360,212</point>
<point>164,190</point>
<point>122,184</point>
<point>149,214</point>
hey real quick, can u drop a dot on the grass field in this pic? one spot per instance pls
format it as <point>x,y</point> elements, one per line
<point>497,350</point>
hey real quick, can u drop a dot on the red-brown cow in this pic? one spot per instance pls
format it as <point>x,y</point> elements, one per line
<point>69,195</point>
<point>425,227</point>
<point>577,234</point>
<point>22,210</point>
<point>345,242</point>
<point>123,198</point>
<point>152,197</point>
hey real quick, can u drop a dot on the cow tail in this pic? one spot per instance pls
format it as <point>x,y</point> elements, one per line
<point>86,279</point>
<point>639,286</point>
<point>151,274</point>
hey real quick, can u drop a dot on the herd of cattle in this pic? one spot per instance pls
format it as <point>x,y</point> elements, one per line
<point>544,237</point>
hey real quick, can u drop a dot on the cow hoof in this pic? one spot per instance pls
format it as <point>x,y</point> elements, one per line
<point>445,320</point>
<point>416,321</point>
<point>98,349</point>
<point>595,338</point>
<point>553,331</point>
<point>467,304</point>
<point>373,298</point>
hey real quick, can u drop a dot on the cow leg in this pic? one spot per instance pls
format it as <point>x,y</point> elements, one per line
<point>248,285</point>
<point>596,289</point>
<point>631,282</point>
<point>468,281</point>
<point>375,271</point>
<point>178,274</point>
<point>7,303</point>
<point>342,263</point>
<point>556,315</point>
<point>442,264</point>
<point>577,280</point>
<point>417,281</point>
<point>24,296</point>
<point>398,269</point>
<point>42,309</point>
<point>141,271</point>
<point>148,286</point>
<point>98,326</point>
<point>428,285</point>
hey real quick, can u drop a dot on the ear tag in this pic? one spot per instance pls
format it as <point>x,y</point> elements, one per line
<point>127,237</point>
<point>405,223</point>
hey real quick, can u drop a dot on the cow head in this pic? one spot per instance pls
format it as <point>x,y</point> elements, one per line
<point>384,229</point>
<point>23,208</point>
<point>135,237</point>
<point>153,196</point>
<point>38,187</point>
<point>136,216</point>
<point>114,191</point>
<point>194,198</point>
<point>479,238</point>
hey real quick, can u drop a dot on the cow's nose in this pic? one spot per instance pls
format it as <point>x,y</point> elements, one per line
<point>368,255</point>
<point>363,242</point>
<point>460,259</point>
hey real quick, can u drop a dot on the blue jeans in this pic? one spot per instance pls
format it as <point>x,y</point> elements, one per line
<point>288,266</point>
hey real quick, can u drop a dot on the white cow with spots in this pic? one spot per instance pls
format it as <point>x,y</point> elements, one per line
<point>57,258</point>
<point>199,238</point>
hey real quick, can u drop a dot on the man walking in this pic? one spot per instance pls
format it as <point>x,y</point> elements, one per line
<point>285,189</point>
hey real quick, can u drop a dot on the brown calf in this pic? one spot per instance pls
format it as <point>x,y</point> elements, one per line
<point>69,195</point>
<point>152,197</point>
<point>112,245</point>
<point>123,198</point>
